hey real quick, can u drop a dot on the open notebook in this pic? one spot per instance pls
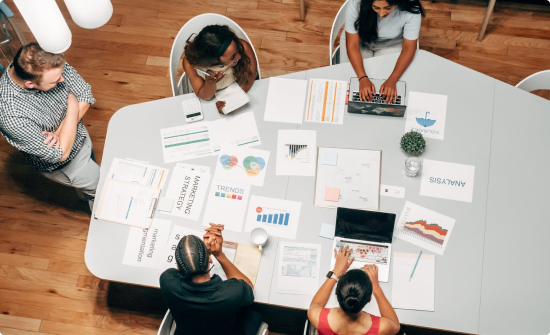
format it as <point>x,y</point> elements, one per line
<point>234,98</point>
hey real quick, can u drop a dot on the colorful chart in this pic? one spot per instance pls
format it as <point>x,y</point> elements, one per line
<point>272,216</point>
<point>252,165</point>
<point>295,149</point>
<point>422,229</point>
<point>228,195</point>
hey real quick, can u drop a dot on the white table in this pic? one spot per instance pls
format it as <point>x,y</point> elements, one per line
<point>481,116</point>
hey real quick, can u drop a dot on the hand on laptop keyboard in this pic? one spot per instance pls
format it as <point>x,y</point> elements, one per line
<point>376,99</point>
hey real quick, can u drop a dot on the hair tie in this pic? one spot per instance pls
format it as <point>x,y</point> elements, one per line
<point>224,45</point>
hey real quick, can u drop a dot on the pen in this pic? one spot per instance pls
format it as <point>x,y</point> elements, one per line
<point>420,254</point>
<point>201,71</point>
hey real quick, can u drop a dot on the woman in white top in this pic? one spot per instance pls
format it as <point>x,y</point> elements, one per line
<point>380,27</point>
<point>218,51</point>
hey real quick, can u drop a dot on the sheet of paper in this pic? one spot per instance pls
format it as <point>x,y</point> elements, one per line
<point>234,98</point>
<point>277,216</point>
<point>326,101</point>
<point>186,142</point>
<point>229,249</point>
<point>447,180</point>
<point>424,228</point>
<point>298,270</point>
<point>371,307</point>
<point>165,205</point>
<point>392,191</point>
<point>247,260</point>
<point>332,194</point>
<point>327,231</point>
<point>356,175</point>
<point>194,167</point>
<point>418,293</point>
<point>285,100</point>
<point>226,205</point>
<point>239,130</point>
<point>145,247</point>
<point>127,203</point>
<point>296,153</point>
<point>330,158</point>
<point>242,165</point>
<point>426,114</point>
<point>168,259</point>
<point>137,172</point>
<point>188,188</point>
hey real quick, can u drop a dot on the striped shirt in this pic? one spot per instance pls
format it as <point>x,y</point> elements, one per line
<point>25,114</point>
<point>391,30</point>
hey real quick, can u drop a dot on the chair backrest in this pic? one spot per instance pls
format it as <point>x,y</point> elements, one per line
<point>195,25</point>
<point>166,327</point>
<point>339,21</point>
<point>536,81</point>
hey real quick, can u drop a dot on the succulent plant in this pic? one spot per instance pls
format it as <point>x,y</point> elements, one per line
<point>413,143</point>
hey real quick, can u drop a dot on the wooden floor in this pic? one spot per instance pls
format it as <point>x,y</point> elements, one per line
<point>45,287</point>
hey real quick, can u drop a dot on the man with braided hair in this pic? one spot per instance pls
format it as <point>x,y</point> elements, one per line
<point>201,304</point>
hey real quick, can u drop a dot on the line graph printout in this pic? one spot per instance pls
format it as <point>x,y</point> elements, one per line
<point>326,101</point>
<point>356,174</point>
<point>424,228</point>
<point>185,142</point>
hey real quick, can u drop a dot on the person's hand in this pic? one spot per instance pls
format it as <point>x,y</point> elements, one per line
<point>372,271</point>
<point>388,90</point>
<point>214,76</point>
<point>219,106</point>
<point>51,139</point>
<point>366,89</point>
<point>214,239</point>
<point>343,261</point>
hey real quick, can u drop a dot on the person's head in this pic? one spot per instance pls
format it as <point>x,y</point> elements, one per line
<point>353,291</point>
<point>192,257</point>
<point>38,69</point>
<point>218,45</point>
<point>369,11</point>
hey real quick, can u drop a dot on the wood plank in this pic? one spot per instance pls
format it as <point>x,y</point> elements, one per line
<point>45,301</point>
<point>48,289</point>
<point>482,47</point>
<point>57,253</point>
<point>18,322</point>
<point>437,42</point>
<point>15,272</point>
<point>24,261</point>
<point>520,52</point>
<point>15,248</point>
<point>13,331</point>
<point>129,58</point>
<point>71,329</point>
<point>44,240</point>
<point>69,267</point>
<point>92,282</point>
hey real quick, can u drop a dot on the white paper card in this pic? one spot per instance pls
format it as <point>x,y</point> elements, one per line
<point>137,172</point>
<point>169,260</point>
<point>326,101</point>
<point>426,114</point>
<point>188,188</point>
<point>185,142</point>
<point>447,180</point>
<point>285,100</point>
<point>277,216</point>
<point>239,130</point>
<point>298,270</point>
<point>145,247</point>
<point>296,153</point>
<point>327,231</point>
<point>330,158</point>
<point>424,228</point>
<point>227,202</point>
<point>242,165</point>
<point>418,293</point>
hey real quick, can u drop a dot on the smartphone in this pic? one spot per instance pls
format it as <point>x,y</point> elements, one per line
<point>192,110</point>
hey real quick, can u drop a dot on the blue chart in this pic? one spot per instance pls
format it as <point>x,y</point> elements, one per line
<point>272,217</point>
<point>295,149</point>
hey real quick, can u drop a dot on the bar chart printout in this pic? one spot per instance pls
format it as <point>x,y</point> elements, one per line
<point>273,216</point>
<point>277,216</point>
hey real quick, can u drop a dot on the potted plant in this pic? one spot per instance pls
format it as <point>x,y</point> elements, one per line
<point>413,143</point>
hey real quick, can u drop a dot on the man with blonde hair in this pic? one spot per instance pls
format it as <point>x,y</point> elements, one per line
<point>42,102</point>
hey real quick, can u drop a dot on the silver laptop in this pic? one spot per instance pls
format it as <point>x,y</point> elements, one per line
<point>378,104</point>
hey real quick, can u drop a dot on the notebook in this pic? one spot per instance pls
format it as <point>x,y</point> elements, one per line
<point>234,98</point>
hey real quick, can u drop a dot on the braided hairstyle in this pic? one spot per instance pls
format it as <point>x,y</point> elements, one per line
<point>191,256</point>
<point>353,292</point>
<point>203,51</point>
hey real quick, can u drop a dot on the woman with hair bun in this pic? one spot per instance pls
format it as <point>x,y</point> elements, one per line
<point>354,290</point>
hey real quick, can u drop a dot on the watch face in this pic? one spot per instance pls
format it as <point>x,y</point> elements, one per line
<point>329,274</point>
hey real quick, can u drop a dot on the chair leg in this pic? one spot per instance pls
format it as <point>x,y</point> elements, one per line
<point>486,19</point>
<point>302,10</point>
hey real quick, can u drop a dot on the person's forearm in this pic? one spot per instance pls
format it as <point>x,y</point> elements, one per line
<point>82,109</point>
<point>231,270</point>
<point>207,91</point>
<point>323,294</point>
<point>356,60</point>
<point>67,134</point>
<point>386,310</point>
<point>403,62</point>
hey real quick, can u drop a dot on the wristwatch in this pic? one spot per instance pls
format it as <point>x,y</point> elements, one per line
<point>331,274</point>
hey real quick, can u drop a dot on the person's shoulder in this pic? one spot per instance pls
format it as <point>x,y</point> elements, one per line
<point>235,285</point>
<point>407,15</point>
<point>169,275</point>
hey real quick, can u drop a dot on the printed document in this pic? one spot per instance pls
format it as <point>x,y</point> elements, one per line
<point>185,142</point>
<point>296,153</point>
<point>326,101</point>
<point>285,100</point>
<point>239,130</point>
<point>188,188</point>
<point>298,270</point>
<point>447,180</point>
<point>227,202</point>
<point>426,114</point>
<point>145,247</point>
<point>418,293</point>
<point>137,172</point>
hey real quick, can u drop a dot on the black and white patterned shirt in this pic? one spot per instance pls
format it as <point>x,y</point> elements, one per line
<point>25,114</point>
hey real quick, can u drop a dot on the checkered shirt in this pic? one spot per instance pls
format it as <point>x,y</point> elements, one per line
<point>25,114</point>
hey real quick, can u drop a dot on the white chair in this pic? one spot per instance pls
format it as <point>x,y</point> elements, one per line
<point>168,325</point>
<point>195,25</point>
<point>537,81</point>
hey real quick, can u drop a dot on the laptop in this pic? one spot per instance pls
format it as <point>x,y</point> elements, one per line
<point>378,104</point>
<point>369,234</point>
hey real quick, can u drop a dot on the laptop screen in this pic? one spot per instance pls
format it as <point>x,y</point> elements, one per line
<point>364,225</point>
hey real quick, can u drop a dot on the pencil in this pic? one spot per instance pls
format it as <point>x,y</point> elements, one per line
<point>201,71</point>
<point>420,254</point>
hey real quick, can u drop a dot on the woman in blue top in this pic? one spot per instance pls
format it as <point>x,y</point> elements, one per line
<point>380,27</point>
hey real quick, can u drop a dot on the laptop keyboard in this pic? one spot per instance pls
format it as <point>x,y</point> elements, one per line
<point>377,99</point>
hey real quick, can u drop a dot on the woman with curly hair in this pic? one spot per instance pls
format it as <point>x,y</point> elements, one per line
<point>380,27</point>
<point>226,59</point>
